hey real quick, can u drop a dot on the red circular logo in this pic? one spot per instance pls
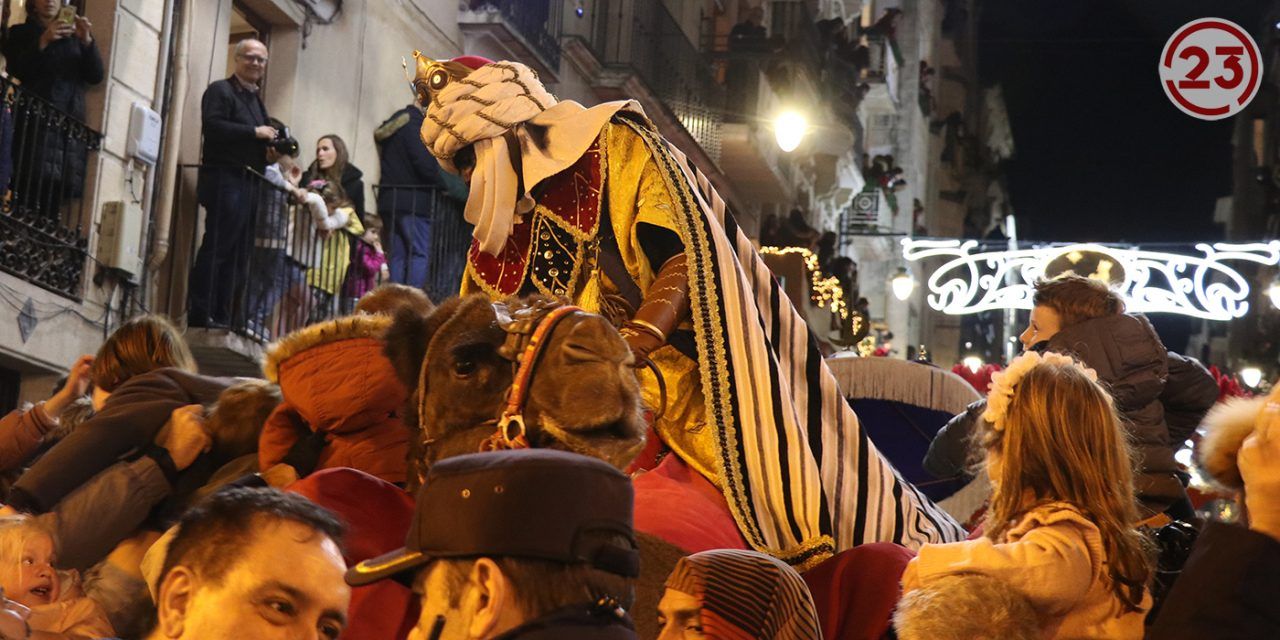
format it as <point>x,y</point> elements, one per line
<point>1210,68</point>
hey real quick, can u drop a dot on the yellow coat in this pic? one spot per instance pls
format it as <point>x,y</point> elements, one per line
<point>336,255</point>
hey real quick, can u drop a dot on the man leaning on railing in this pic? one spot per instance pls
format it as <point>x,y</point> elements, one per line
<point>236,133</point>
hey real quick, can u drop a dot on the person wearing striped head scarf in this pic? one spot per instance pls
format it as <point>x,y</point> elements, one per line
<point>729,594</point>
<point>594,206</point>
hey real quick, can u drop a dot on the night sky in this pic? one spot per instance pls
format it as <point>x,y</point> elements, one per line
<point>1101,153</point>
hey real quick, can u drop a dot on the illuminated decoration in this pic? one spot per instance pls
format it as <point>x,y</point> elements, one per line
<point>1150,281</point>
<point>903,284</point>
<point>826,292</point>
<point>1273,292</point>
<point>789,129</point>
<point>1251,377</point>
<point>974,363</point>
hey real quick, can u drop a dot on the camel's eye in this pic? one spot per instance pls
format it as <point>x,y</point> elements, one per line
<point>464,368</point>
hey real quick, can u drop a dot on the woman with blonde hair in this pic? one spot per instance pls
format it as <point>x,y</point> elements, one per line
<point>1061,525</point>
<point>140,375</point>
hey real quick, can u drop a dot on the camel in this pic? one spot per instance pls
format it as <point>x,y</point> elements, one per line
<point>583,397</point>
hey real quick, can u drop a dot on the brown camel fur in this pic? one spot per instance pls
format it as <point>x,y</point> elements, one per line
<point>584,398</point>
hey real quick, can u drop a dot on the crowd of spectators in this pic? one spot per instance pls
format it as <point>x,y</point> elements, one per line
<point>152,501</point>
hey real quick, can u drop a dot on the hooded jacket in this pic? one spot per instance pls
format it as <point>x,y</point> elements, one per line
<point>1133,365</point>
<point>128,421</point>
<point>1161,395</point>
<point>337,382</point>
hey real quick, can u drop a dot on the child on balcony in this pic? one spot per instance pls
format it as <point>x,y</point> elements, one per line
<point>368,264</point>
<point>338,222</point>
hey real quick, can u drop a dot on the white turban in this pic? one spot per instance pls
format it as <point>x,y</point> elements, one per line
<point>478,109</point>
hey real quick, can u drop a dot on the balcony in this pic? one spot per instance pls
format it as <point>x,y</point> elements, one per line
<point>521,30</point>
<point>637,49</point>
<point>43,235</point>
<point>292,273</point>
<point>882,73</point>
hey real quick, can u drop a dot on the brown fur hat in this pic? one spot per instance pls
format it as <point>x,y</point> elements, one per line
<point>1226,426</point>
<point>236,420</point>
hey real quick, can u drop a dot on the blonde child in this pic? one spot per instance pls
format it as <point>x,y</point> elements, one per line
<point>1060,529</point>
<point>58,610</point>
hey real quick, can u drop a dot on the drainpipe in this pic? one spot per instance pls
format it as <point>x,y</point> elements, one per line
<point>157,105</point>
<point>172,143</point>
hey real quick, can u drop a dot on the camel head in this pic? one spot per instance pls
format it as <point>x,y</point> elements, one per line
<point>583,395</point>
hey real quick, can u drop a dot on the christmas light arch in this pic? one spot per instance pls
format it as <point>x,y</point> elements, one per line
<point>972,280</point>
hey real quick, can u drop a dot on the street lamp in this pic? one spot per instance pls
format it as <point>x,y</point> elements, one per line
<point>974,363</point>
<point>902,284</point>
<point>1251,376</point>
<point>1273,292</point>
<point>789,128</point>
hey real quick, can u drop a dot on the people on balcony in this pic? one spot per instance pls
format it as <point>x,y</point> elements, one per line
<point>335,252</point>
<point>750,34</point>
<point>235,132</point>
<point>368,265</point>
<point>271,261</point>
<point>407,196</point>
<point>333,164</point>
<point>55,57</point>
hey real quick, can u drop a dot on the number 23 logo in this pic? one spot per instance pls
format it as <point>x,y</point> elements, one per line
<point>1230,62</point>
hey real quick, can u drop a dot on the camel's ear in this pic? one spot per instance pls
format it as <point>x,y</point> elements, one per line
<point>409,335</point>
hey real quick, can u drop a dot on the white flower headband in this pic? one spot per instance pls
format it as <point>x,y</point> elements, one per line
<point>1000,395</point>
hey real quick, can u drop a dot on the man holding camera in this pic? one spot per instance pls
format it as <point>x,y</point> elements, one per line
<point>236,134</point>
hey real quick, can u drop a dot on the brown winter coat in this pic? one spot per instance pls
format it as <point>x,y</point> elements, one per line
<point>336,381</point>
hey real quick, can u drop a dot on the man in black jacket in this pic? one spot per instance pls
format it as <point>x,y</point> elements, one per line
<point>407,192</point>
<point>235,130</point>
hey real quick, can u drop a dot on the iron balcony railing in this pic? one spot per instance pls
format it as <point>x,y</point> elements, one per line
<point>644,36</point>
<point>293,264</point>
<point>44,156</point>
<point>425,224</point>
<point>534,19</point>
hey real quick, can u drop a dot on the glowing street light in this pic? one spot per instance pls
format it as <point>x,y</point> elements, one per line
<point>1273,292</point>
<point>1251,376</point>
<point>789,128</point>
<point>974,363</point>
<point>902,284</point>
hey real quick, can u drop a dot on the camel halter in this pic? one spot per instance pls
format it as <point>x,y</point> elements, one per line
<point>511,431</point>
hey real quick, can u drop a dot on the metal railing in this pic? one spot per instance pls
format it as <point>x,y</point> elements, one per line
<point>44,157</point>
<point>425,236</point>
<point>534,19</point>
<point>643,35</point>
<point>268,263</point>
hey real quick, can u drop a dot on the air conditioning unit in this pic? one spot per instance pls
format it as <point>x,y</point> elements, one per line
<point>120,237</point>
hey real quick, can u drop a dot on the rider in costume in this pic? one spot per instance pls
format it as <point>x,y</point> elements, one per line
<point>611,246</point>
<point>593,205</point>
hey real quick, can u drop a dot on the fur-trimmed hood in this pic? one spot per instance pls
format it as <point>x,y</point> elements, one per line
<point>1226,426</point>
<point>338,329</point>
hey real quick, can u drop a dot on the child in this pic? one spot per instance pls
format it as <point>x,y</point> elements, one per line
<point>368,263</point>
<point>335,253</point>
<point>28,578</point>
<point>1060,529</point>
